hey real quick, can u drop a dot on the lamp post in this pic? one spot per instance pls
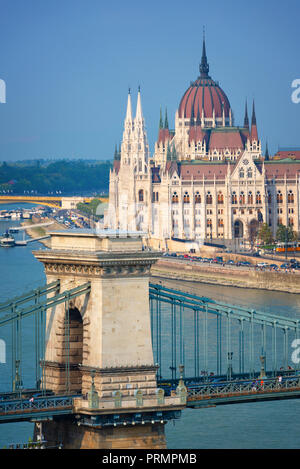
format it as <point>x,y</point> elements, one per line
<point>286,238</point>
<point>262,367</point>
<point>229,369</point>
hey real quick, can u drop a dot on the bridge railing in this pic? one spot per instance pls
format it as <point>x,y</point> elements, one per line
<point>37,404</point>
<point>257,386</point>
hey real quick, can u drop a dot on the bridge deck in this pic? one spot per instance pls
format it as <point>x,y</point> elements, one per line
<point>242,397</point>
<point>17,410</point>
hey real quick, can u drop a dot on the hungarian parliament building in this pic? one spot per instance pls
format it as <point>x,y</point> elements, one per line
<point>207,179</point>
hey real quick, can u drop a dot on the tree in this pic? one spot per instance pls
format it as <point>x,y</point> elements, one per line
<point>252,231</point>
<point>265,233</point>
<point>285,234</point>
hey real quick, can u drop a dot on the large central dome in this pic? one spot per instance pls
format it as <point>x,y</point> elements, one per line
<point>204,99</point>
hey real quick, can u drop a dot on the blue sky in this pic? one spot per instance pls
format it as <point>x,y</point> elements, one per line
<point>67,65</point>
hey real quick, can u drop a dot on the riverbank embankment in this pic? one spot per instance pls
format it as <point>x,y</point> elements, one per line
<point>41,231</point>
<point>242,277</point>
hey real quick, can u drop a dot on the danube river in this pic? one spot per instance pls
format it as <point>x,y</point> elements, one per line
<point>254,425</point>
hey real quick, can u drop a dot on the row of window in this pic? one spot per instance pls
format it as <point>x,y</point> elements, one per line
<point>220,223</point>
<point>220,198</point>
<point>197,198</point>
<point>248,172</point>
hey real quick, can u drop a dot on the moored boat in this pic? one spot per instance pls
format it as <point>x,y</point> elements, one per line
<point>7,241</point>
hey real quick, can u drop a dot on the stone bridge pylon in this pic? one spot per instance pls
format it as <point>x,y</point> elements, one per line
<point>98,345</point>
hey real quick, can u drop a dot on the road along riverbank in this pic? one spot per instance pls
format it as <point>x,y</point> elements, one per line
<point>41,230</point>
<point>227,275</point>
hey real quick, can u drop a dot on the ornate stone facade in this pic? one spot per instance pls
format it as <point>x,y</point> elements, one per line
<point>207,179</point>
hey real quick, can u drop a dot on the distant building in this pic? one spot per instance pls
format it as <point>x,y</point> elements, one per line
<point>207,178</point>
<point>68,203</point>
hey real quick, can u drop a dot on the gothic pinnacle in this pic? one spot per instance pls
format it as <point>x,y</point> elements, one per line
<point>166,120</point>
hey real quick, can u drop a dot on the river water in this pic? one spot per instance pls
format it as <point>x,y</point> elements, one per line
<point>254,425</point>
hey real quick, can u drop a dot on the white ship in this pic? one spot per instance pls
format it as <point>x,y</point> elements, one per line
<point>7,241</point>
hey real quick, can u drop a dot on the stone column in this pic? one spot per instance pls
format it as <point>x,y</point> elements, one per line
<point>107,337</point>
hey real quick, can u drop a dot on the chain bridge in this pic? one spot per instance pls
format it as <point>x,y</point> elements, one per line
<point>104,359</point>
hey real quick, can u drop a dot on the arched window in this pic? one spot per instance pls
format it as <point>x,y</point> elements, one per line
<point>249,173</point>
<point>197,198</point>
<point>141,195</point>
<point>154,196</point>
<point>234,198</point>
<point>290,197</point>
<point>242,198</point>
<point>209,198</point>
<point>242,174</point>
<point>291,221</point>
<point>250,198</point>
<point>279,197</point>
<point>258,197</point>
<point>220,198</point>
<point>175,198</point>
<point>186,198</point>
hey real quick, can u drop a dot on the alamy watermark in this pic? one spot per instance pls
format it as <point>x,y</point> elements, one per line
<point>296,353</point>
<point>296,93</point>
<point>2,91</point>
<point>2,351</point>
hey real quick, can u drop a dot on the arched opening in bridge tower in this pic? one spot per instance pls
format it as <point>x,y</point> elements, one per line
<point>73,349</point>
<point>238,229</point>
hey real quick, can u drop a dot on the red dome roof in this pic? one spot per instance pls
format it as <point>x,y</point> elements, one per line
<point>204,94</point>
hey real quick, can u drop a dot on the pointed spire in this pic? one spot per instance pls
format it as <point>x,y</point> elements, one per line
<point>174,154</point>
<point>267,156</point>
<point>214,118</point>
<point>254,135</point>
<point>223,114</point>
<point>117,154</point>
<point>139,113</point>
<point>161,125</point>
<point>192,120</point>
<point>168,152</point>
<point>129,110</point>
<point>253,122</point>
<point>246,119</point>
<point>198,121</point>
<point>204,67</point>
<point>166,120</point>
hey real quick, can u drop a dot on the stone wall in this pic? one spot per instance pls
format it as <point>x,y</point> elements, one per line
<point>72,436</point>
<point>234,277</point>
